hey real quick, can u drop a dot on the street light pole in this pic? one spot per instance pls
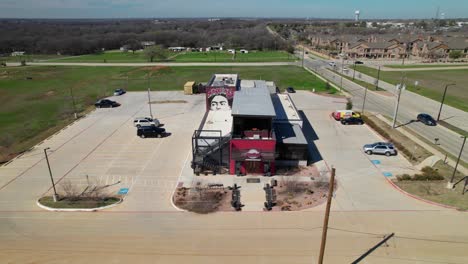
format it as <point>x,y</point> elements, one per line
<point>342,68</point>
<point>55,196</point>
<point>354,71</point>
<point>443,99</point>
<point>73,100</point>
<point>303,51</point>
<point>149,96</point>
<point>450,184</point>
<point>377,82</point>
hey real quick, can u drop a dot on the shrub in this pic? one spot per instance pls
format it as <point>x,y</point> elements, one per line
<point>349,105</point>
<point>404,177</point>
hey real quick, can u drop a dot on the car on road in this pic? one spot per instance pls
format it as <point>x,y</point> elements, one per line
<point>118,92</point>
<point>426,119</point>
<point>333,64</point>
<point>352,121</point>
<point>383,148</point>
<point>146,121</point>
<point>106,103</point>
<point>290,90</point>
<point>358,62</point>
<point>151,131</point>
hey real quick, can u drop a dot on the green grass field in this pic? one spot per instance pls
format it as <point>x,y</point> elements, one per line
<point>431,83</point>
<point>214,56</point>
<point>410,66</point>
<point>256,56</point>
<point>35,101</point>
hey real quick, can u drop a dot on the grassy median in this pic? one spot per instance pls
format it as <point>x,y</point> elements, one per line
<point>430,83</point>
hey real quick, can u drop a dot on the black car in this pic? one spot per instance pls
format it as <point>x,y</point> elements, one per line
<point>358,62</point>
<point>426,119</point>
<point>290,90</point>
<point>106,103</point>
<point>151,131</point>
<point>352,121</point>
<point>118,92</point>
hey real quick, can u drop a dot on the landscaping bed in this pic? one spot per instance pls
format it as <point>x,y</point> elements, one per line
<point>294,194</point>
<point>202,199</point>
<point>430,184</point>
<point>78,203</point>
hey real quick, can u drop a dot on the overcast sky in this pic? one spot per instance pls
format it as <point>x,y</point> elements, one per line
<point>231,8</point>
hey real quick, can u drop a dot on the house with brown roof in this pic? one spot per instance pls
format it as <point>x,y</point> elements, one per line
<point>430,50</point>
<point>375,50</point>
<point>458,44</point>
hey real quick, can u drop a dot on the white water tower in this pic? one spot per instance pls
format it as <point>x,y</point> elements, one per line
<point>356,15</point>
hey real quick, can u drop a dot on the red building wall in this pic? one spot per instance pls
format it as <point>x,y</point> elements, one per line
<point>245,149</point>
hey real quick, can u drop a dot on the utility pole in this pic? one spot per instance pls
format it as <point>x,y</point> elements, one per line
<point>73,100</point>
<point>327,216</point>
<point>364,102</point>
<point>450,184</point>
<point>377,82</point>
<point>55,195</point>
<point>443,99</point>
<point>400,87</point>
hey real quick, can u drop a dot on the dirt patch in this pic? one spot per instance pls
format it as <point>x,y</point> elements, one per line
<point>308,171</point>
<point>150,69</point>
<point>203,200</point>
<point>169,102</point>
<point>294,195</point>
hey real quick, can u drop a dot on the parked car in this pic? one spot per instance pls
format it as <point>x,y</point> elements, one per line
<point>333,64</point>
<point>352,121</point>
<point>358,62</point>
<point>146,121</point>
<point>290,90</point>
<point>384,148</point>
<point>151,131</point>
<point>341,114</point>
<point>426,119</point>
<point>118,92</point>
<point>106,103</point>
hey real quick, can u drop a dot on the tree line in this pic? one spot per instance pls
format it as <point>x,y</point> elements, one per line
<point>76,37</point>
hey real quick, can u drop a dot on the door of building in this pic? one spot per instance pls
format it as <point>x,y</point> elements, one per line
<point>253,167</point>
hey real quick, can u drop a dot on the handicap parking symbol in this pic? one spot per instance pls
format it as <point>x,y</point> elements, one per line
<point>387,174</point>
<point>376,162</point>
<point>123,191</point>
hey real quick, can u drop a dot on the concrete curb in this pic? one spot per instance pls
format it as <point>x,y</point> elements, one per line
<point>421,199</point>
<point>77,209</point>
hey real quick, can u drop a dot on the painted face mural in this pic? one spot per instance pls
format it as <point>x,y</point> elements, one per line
<point>219,103</point>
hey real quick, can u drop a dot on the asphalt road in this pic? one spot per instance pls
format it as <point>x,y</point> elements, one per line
<point>384,103</point>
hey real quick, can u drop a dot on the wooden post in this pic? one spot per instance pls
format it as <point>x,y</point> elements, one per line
<point>327,216</point>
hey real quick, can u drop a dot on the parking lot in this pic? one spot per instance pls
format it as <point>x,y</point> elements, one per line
<point>104,146</point>
<point>104,149</point>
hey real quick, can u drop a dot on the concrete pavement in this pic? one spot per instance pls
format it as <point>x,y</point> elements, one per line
<point>384,104</point>
<point>145,228</point>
